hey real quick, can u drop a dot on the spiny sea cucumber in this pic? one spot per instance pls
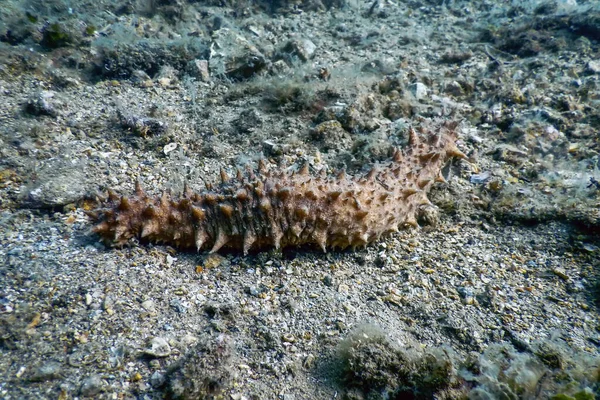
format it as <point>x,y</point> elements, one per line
<point>278,209</point>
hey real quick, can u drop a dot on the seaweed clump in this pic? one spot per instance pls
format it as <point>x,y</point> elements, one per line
<point>373,368</point>
<point>548,369</point>
<point>204,372</point>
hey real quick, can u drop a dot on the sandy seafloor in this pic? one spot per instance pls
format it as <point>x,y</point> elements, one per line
<point>497,299</point>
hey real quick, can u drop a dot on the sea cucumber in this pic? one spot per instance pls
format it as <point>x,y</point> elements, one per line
<point>277,209</point>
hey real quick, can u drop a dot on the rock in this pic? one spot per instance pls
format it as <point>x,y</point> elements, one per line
<point>178,306</point>
<point>454,88</point>
<point>480,178</point>
<point>419,90</point>
<point>157,379</point>
<point>91,386</point>
<point>507,152</point>
<point>304,49</point>
<point>199,69</point>
<point>271,148</point>
<point>48,371</point>
<point>58,182</point>
<point>158,347</point>
<point>169,148</point>
<point>141,78</point>
<point>249,120</point>
<point>149,306</point>
<point>593,66</point>
<point>42,103</point>
<point>253,291</point>
<point>246,68</point>
<point>143,126</point>
<point>214,261</point>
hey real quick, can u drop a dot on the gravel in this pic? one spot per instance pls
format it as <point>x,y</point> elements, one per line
<point>511,260</point>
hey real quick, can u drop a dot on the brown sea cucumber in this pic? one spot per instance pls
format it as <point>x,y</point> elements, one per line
<point>278,209</point>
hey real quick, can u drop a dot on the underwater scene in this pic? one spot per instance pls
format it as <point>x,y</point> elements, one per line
<point>300,199</point>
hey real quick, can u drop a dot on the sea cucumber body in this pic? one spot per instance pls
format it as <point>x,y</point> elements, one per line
<point>278,209</point>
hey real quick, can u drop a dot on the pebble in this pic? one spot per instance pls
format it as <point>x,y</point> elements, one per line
<point>419,90</point>
<point>480,178</point>
<point>91,386</point>
<point>170,260</point>
<point>253,291</point>
<point>303,49</point>
<point>178,306</point>
<point>288,338</point>
<point>213,261</point>
<point>157,379</point>
<point>136,377</point>
<point>169,148</point>
<point>42,103</point>
<point>590,248</point>
<point>158,347</point>
<point>58,182</point>
<point>309,361</point>
<point>46,372</point>
<point>594,66</point>
<point>560,273</point>
<point>148,305</point>
<point>199,69</point>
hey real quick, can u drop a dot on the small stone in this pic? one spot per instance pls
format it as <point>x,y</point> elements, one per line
<point>507,152</point>
<point>170,260</point>
<point>41,104</point>
<point>46,372</point>
<point>169,148</point>
<point>253,291</point>
<point>178,306</point>
<point>148,305</point>
<point>213,261</point>
<point>158,347</point>
<point>288,338</point>
<point>480,178</point>
<point>181,291</point>
<point>272,148</point>
<point>164,82</point>
<point>419,90</point>
<point>454,88</point>
<point>304,49</point>
<point>309,361</point>
<point>199,69</point>
<point>594,66</point>
<point>157,379</point>
<point>139,77</point>
<point>328,280</point>
<point>91,386</point>
<point>136,377</point>
<point>58,181</point>
<point>143,126</point>
<point>21,371</point>
<point>590,248</point>
<point>560,273</point>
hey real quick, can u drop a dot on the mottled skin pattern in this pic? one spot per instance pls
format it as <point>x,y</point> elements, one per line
<point>279,209</point>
